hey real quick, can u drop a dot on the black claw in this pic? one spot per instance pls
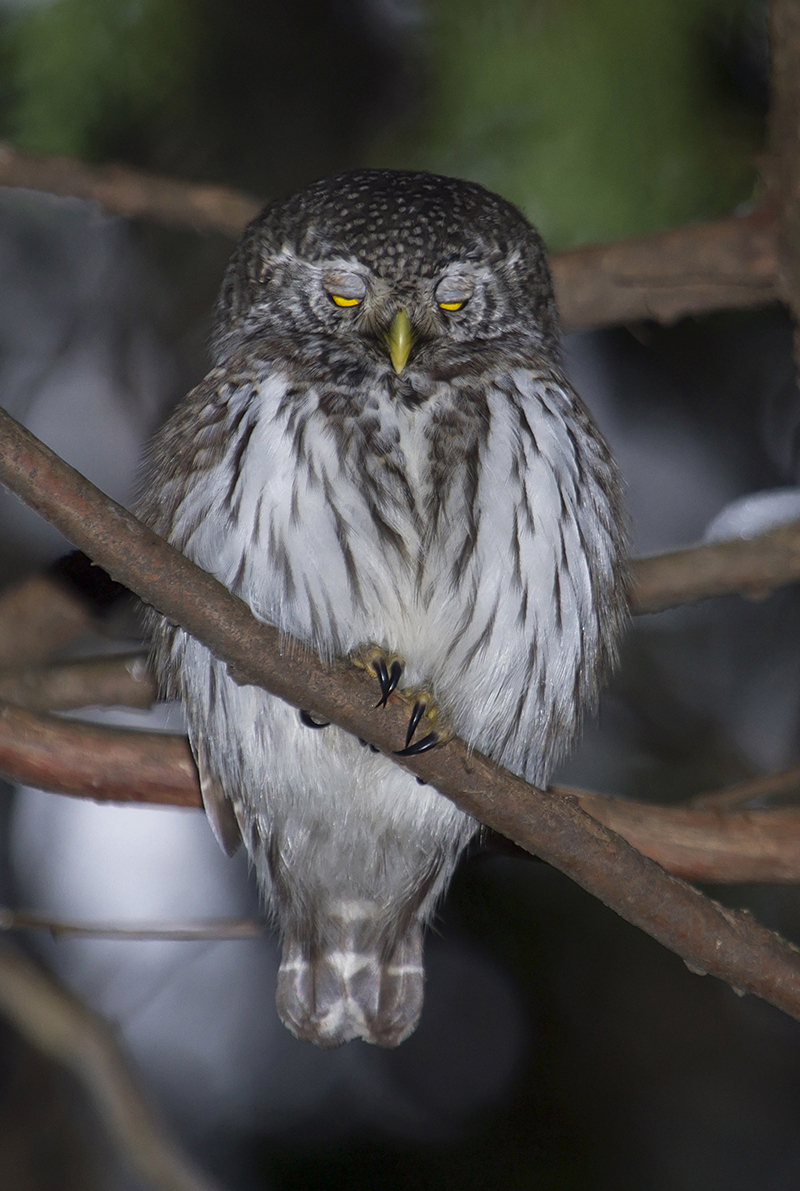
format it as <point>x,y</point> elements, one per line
<point>382,674</point>
<point>420,782</point>
<point>307,719</point>
<point>428,742</point>
<point>395,674</point>
<point>374,749</point>
<point>416,715</point>
<point>388,679</point>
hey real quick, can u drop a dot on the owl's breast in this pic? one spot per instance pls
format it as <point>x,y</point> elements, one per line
<point>323,524</point>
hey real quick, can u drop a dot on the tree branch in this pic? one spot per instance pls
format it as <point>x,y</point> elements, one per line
<point>707,845</point>
<point>728,264</point>
<point>37,618</point>
<point>724,264</point>
<point>707,936</point>
<point>93,761</point>
<point>131,193</point>
<point>752,567</point>
<point>773,786</point>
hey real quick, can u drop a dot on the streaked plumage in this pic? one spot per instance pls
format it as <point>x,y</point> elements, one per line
<point>462,514</point>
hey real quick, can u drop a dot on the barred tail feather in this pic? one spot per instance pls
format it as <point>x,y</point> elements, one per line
<point>356,984</point>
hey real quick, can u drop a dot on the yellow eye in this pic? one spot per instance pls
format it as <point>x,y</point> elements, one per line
<point>340,301</point>
<point>450,305</point>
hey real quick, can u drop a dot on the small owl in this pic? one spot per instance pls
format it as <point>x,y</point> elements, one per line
<point>387,463</point>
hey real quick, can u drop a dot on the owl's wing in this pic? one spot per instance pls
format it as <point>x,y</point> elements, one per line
<point>218,806</point>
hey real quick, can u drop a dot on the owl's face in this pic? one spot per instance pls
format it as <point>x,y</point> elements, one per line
<point>403,317</point>
<point>394,270</point>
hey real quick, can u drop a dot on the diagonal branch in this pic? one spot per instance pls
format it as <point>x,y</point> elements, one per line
<point>707,936</point>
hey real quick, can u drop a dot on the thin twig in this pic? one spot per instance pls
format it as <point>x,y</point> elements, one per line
<point>217,929</point>
<point>64,1029</point>
<point>708,936</point>
<point>724,264</point>
<point>772,787</point>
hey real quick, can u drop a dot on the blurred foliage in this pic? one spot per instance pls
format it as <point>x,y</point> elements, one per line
<point>255,93</point>
<point>600,118</point>
<point>92,76</point>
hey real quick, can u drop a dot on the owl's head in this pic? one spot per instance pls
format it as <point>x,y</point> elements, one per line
<point>403,270</point>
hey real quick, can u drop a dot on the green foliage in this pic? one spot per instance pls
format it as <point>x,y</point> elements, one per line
<point>93,77</point>
<point>600,118</point>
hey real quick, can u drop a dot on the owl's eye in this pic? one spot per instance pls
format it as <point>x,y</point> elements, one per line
<point>453,293</point>
<point>341,300</point>
<point>345,289</point>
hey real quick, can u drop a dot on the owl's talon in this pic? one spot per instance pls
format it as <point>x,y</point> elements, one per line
<point>422,746</point>
<point>417,712</point>
<point>386,667</point>
<point>308,721</point>
<point>388,677</point>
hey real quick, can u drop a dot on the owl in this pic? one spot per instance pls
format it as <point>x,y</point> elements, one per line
<point>387,463</point>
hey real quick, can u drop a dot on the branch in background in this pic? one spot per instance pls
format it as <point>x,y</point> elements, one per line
<point>37,618</point>
<point>215,930</point>
<point>774,786</point>
<point>131,193</point>
<point>706,845</point>
<point>782,166</point>
<point>116,765</point>
<point>66,1031</point>
<point>707,936</point>
<point>122,679</point>
<point>93,761</point>
<point>728,263</point>
<point>753,567</point>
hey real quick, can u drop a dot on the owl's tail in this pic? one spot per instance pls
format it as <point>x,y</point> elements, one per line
<point>355,984</point>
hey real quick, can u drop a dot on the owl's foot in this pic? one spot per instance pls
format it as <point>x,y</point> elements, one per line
<point>424,711</point>
<point>386,667</point>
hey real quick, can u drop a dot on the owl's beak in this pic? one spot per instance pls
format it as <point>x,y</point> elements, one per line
<point>399,339</point>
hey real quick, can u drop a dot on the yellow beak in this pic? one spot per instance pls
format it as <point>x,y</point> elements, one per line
<point>399,339</point>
